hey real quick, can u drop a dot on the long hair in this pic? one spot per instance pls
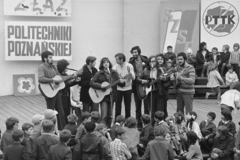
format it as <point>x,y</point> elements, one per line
<point>193,118</point>
<point>192,137</point>
<point>102,61</point>
<point>201,46</point>
<point>163,57</point>
<point>149,61</point>
<point>62,65</point>
<point>212,66</point>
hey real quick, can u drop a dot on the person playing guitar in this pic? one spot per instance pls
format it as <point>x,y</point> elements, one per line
<point>158,95</point>
<point>46,73</point>
<point>105,74</point>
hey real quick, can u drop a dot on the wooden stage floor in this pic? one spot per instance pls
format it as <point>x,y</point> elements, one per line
<point>24,108</point>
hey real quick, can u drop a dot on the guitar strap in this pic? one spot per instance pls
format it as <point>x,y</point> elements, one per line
<point>161,69</point>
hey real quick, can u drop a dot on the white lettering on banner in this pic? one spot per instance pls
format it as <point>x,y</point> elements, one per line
<point>59,8</point>
<point>27,40</point>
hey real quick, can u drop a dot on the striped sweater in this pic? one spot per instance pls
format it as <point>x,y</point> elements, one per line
<point>234,57</point>
<point>188,79</point>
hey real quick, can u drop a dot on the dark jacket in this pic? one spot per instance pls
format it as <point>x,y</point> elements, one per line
<point>159,149</point>
<point>170,55</point>
<point>85,83</point>
<point>16,151</point>
<point>137,79</point>
<point>112,131</point>
<point>146,134</point>
<point>81,131</point>
<point>106,146</point>
<point>91,147</point>
<point>72,127</point>
<point>60,151</point>
<point>160,84</point>
<point>208,130</point>
<point>211,57</point>
<point>226,145</point>
<point>28,143</point>
<point>6,140</point>
<point>225,57</point>
<point>42,145</point>
<point>231,127</point>
<point>200,59</point>
<point>100,77</point>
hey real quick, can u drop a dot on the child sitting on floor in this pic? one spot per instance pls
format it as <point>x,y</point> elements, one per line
<point>192,125</point>
<point>72,127</point>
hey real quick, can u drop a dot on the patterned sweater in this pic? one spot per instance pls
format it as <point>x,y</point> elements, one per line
<point>187,72</point>
<point>234,57</point>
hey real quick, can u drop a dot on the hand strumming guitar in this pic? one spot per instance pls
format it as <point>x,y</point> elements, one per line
<point>144,81</point>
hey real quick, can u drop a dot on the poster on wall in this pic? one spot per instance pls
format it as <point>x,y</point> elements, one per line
<point>52,8</point>
<point>220,23</point>
<point>179,25</point>
<point>25,41</point>
<point>24,84</point>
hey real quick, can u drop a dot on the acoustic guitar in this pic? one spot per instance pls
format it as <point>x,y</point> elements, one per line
<point>97,95</point>
<point>51,89</point>
<point>144,89</point>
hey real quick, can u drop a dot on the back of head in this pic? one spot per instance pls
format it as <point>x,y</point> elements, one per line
<point>95,116</point>
<point>120,119</point>
<point>17,134</point>
<point>160,130</point>
<point>223,131</point>
<point>65,135</point>
<point>26,126</point>
<point>212,66</point>
<point>10,122</point>
<point>47,125</point>
<point>146,118</point>
<point>136,48</point>
<point>72,118</point>
<point>227,115</point>
<point>85,115</point>
<point>100,126</point>
<point>90,126</point>
<point>119,131</point>
<point>192,137</point>
<point>159,115</point>
<point>45,54</point>
<point>131,122</point>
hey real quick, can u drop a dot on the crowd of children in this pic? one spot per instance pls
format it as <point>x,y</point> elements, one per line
<point>174,137</point>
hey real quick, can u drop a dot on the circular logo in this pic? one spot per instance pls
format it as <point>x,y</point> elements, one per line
<point>220,19</point>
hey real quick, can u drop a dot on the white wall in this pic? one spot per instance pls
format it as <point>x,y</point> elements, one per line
<point>97,31</point>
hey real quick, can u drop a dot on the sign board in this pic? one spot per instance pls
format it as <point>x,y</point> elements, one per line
<point>52,8</point>
<point>179,25</point>
<point>220,23</point>
<point>24,84</point>
<point>25,41</point>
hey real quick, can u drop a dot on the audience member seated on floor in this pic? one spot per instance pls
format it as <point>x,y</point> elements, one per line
<point>72,127</point>
<point>45,141</point>
<point>192,125</point>
<point>208,130</point>
<point>81,131</point>
<point>102,132</point>
<point>146,134</point>
<point>231,77</point>
<point>37,125</point>
<point>95,117</point>
<point>11,125</point>
<point>175,139</point>
<point>119,150</point>
<point>91,146</point>
<point>27,129</point>
<point>132,136</point>
<point>52,116</point>
<point>226,120</point>
<point>181,127</point>
<point>237,145</point>
<point>194,151</point>
<point>119,122</point>
<point>61,151</point>
<point>223,145</point>
<point>159,148</point>
<point>16,151</point>
<point>159,120</point>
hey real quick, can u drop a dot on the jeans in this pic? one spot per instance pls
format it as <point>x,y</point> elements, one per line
<point>106,113</point>
<point>185,100</point>
<point>90,106</point>
<point>56,103</point>
<point>127,102</point>
<point>138,105</point>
